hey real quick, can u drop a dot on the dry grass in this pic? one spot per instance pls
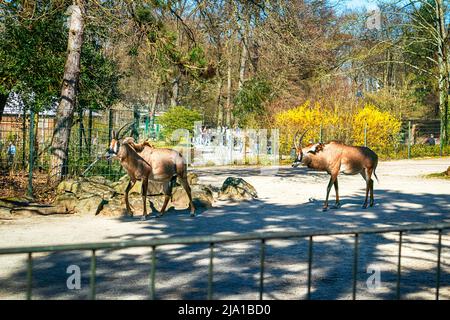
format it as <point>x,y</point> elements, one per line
<point>15,185</point>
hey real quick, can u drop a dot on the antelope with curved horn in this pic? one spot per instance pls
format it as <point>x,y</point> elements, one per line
<point>334,158</point>
<point>162,165</point>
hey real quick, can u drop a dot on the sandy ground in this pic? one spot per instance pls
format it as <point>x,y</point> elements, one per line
<point>289,199</point>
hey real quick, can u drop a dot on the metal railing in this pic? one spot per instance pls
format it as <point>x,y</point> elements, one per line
<point>213,240</point>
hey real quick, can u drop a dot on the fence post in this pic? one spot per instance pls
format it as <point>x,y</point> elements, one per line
<point>409,139</point>
<point>89,146</point>
<point>24,138</point>
<point>80,133</point>
<point>110,130</point>
<point>136,117</point>
<point>31,159</point>
<point>441,142</point>
<point>321,133</point>
<point>365,134</point>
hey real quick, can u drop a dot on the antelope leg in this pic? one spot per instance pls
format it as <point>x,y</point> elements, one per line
<point>166,201</point>
<point>330,184</point>
<point>371,193</point>
<point>127,190</point>
<point>336,188</point>
<point>144,197</point>
<point>187,188</point>
<point>366,177</point>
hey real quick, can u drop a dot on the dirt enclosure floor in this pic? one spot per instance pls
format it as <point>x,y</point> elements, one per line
<point>289,199</point>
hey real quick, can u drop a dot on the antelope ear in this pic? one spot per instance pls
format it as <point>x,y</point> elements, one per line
<point>114,134</point>
<point>315,148</point>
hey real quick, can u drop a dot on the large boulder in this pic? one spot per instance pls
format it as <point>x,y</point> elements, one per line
<point>84,195</point>
<point>121,185</point>
<point>237,189</point>
<point>97,195</point>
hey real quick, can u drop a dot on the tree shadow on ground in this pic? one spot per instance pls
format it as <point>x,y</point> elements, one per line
<point>182,271</point>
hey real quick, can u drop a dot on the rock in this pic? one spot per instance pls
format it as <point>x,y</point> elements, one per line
<point>97,195</point>
<point>115,207</point>
<point>68,201</point>
<point>87,187</point>
<point>192,178</point>
<point>68,185</point>
<point>12,202</point>
<point>38,209</point>
<point>91,205</point>
<point>202,196</point>
<point>121,185</point>
<point>237,189</point>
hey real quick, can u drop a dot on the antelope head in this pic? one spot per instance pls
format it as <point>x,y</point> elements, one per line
<point>298,149</point>
<point>116,141</point>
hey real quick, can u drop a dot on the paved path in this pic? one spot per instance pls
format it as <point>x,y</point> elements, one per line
<point>289,199</point>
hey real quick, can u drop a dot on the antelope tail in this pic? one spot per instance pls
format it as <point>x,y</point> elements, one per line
<point>378,180</point>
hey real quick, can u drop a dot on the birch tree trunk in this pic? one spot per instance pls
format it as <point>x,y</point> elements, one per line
<point>66,107</point>
<point>228,103</point>
<point>443,70</point>
<point>243,63</point>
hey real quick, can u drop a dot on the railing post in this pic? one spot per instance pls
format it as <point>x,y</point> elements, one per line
<point>152,274</point>
<point>210,271</point>
<point>355,265</point>
<point>29,275</point>
<point>438,271</point>
<point>31,160</point>
<point>399,265</point>
<point>310,253</point>
<point>261,275</point>
<point>93,271</point>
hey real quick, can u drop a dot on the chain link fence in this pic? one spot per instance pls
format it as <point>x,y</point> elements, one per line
<point>26,136</point>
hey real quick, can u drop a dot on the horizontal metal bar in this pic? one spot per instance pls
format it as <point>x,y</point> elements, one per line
<point>220,239</point>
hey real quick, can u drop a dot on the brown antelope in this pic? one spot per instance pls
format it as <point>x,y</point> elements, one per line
<point>162,165</point>
<point>335,157</point>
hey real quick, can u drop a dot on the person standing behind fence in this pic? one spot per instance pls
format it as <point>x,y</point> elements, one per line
<point>11,152</point>
<point>430,141</point>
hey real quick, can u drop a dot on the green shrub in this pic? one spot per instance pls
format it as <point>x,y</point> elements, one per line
<point>178,118</point>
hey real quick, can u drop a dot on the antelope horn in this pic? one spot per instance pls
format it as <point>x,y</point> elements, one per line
<point>120,130</point>
<point>301,138</point>
<point>295,139</point>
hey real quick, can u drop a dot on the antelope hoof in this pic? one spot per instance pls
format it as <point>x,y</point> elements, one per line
<point>364,206</point>
<point>372,204</point>
<point>192,214</point>
<point>325,209</point>
<point>144,217</point>
<point>336,206</point>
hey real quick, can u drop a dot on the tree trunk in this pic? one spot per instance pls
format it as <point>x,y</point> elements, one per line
<point>175,91</point>
<point>66,107</point>
<point>219,103</point>
<point>243,64</point>
<point>443,71</point>
<point>3,99</point>
<point>228,105</point>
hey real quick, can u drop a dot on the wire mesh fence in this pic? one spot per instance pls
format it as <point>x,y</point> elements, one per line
<point>25,141</point>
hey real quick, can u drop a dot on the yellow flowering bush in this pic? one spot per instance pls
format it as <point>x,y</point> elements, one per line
<point>383,128</point>
<point>301,118</point>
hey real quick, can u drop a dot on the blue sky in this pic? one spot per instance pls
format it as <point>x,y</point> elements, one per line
<point>353,4</point>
